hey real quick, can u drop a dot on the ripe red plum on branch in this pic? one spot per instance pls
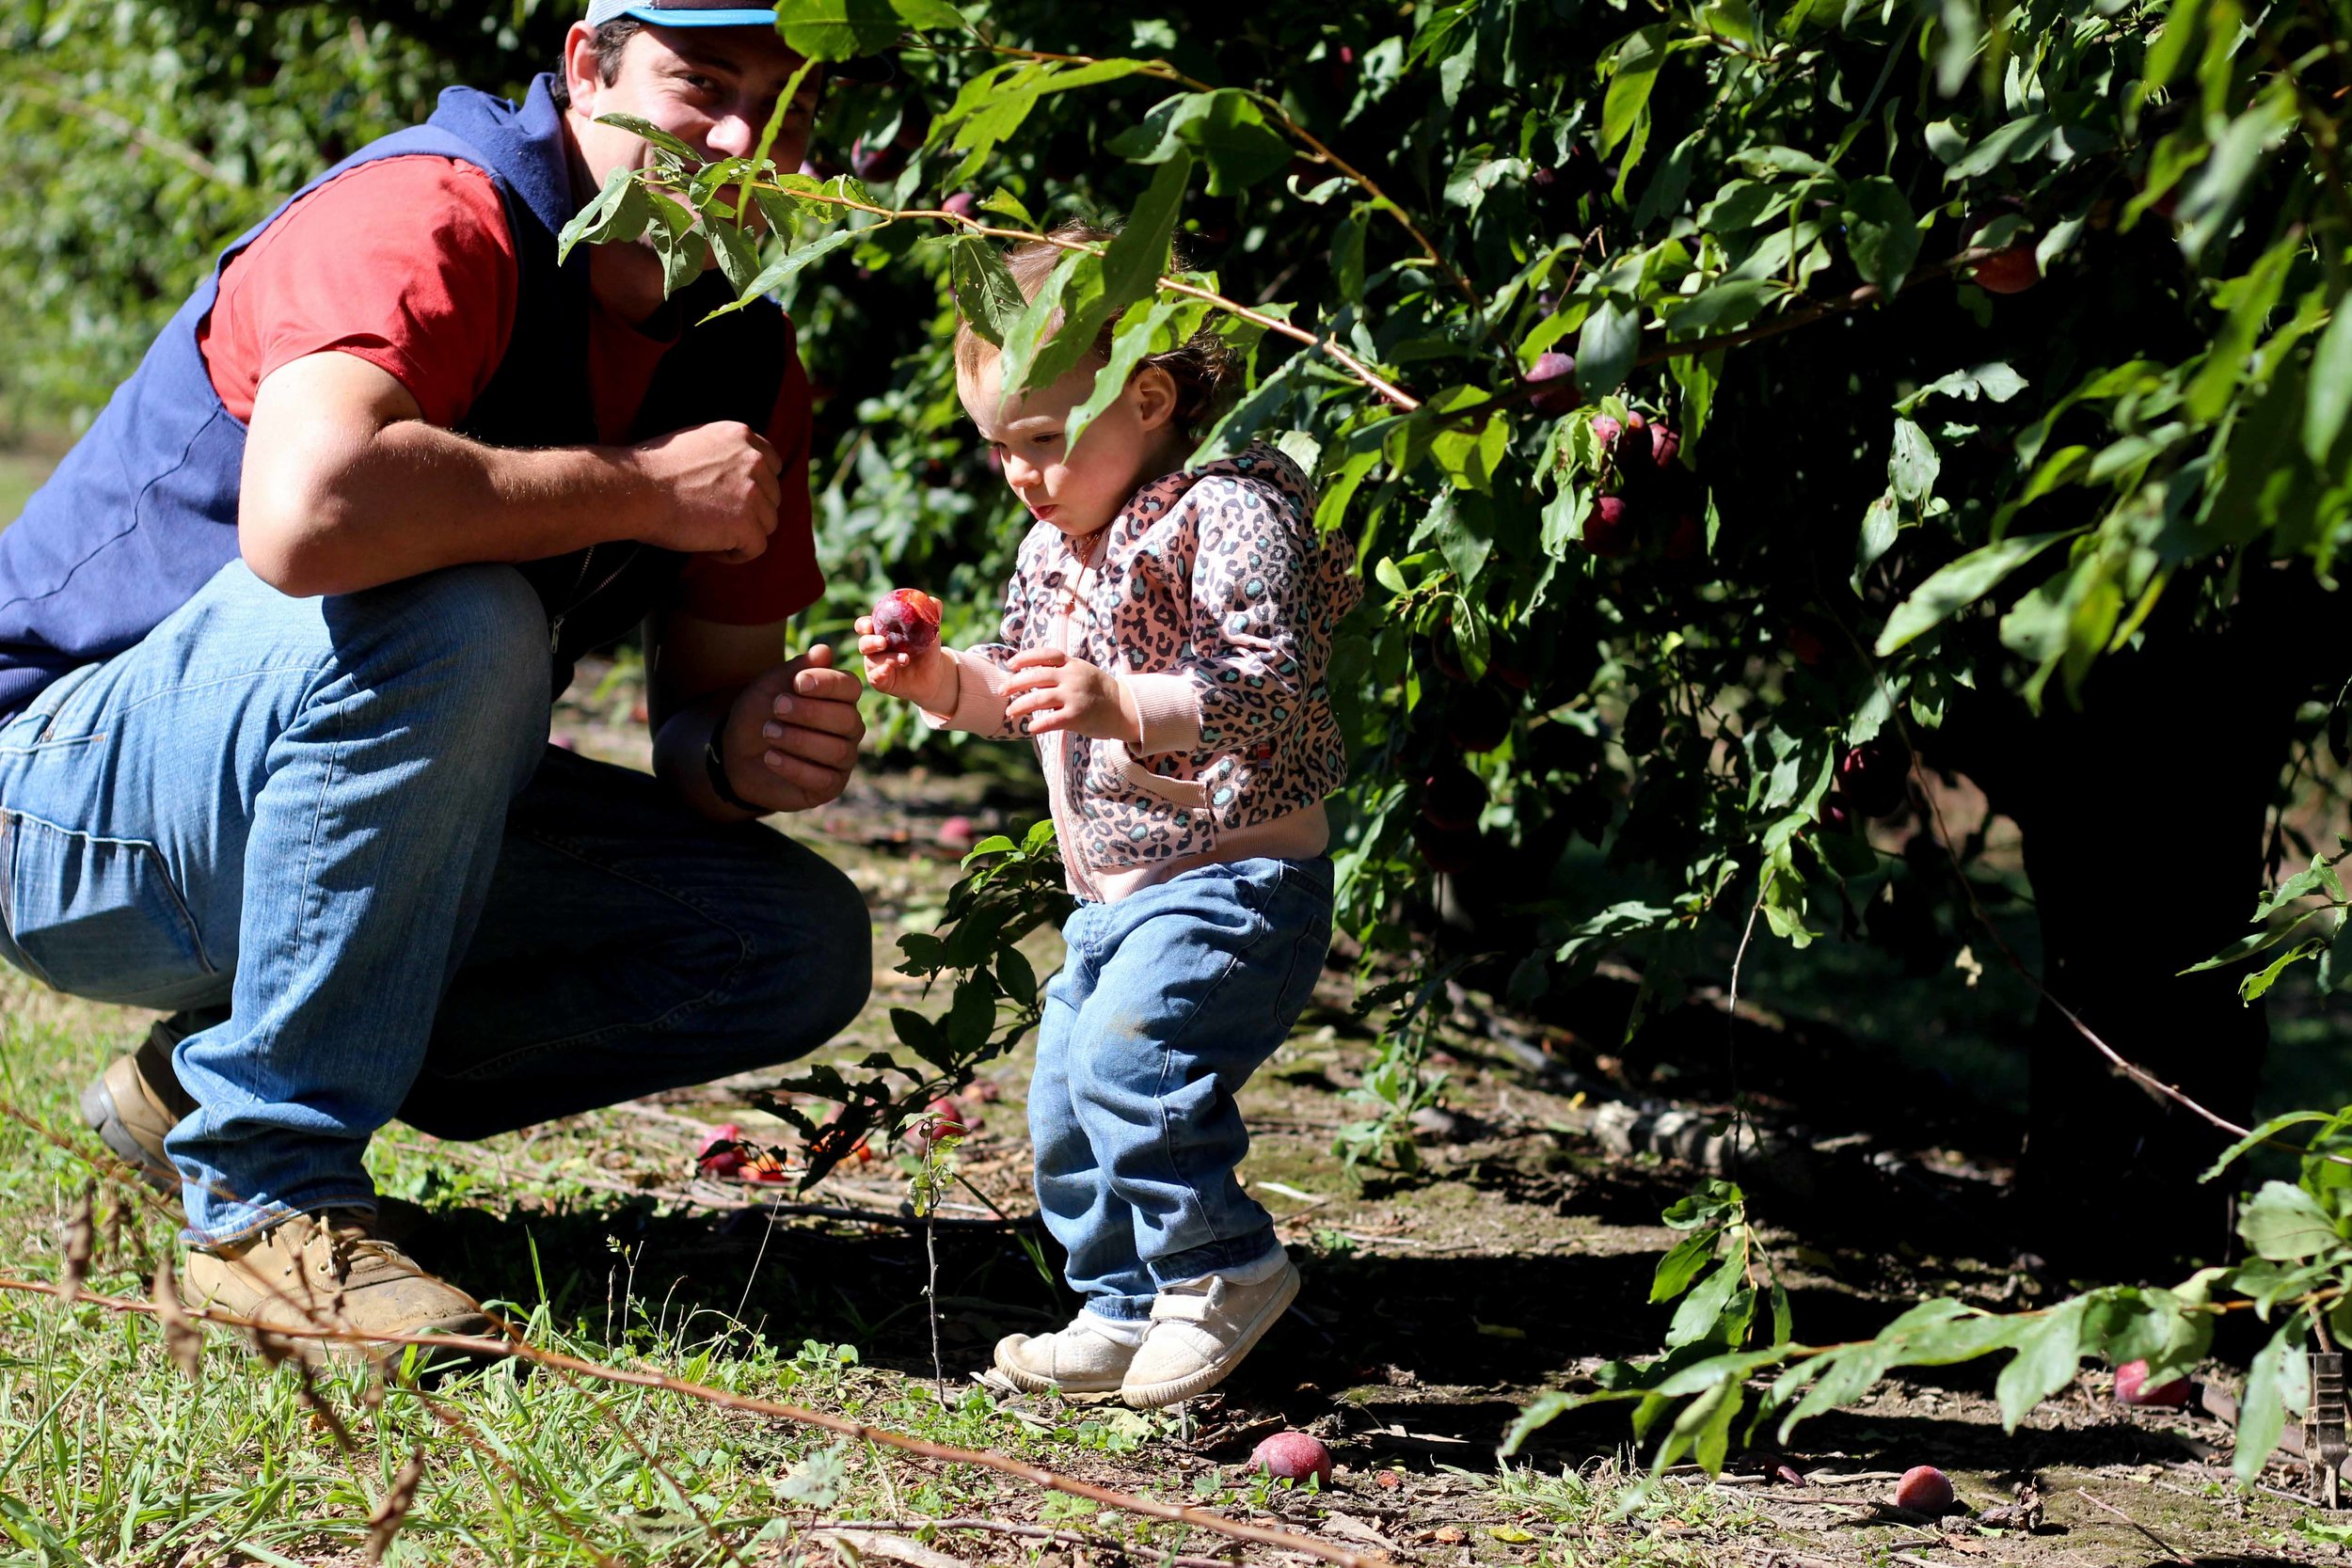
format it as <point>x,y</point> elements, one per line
<point>1609,526</point>
<point>2007,271</point>
<point>1554,378</point>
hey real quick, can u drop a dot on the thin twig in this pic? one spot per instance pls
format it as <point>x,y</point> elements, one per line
<point>1332,346</point>
<point>485,1346</point>
<point>1316,148</point>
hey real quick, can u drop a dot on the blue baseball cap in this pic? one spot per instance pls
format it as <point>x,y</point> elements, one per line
<point>681,13</point>
<point>720,14</point>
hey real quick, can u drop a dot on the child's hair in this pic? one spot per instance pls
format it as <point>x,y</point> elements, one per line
<point>1201,366</point>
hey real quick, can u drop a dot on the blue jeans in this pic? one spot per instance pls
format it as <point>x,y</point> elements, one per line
<point>337,824</point>
<point>1168,1000</point>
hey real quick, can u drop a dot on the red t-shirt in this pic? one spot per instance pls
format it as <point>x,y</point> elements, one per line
<point>407,264</point>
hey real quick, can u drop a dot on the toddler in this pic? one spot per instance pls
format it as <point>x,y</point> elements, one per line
<point>1163,644</point>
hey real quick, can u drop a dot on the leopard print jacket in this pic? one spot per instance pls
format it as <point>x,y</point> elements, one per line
<point>1217,573</point>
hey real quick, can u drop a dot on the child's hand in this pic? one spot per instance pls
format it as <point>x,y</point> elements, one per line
<point>1054,691</point>
<point>927,680</point>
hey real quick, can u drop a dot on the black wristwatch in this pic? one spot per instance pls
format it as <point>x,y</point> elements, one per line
<point>715,763</point>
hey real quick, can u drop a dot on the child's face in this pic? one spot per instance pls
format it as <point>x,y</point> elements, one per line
<point>1078,489</point>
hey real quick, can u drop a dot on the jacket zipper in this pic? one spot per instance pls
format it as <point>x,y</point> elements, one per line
<point>587,560</point>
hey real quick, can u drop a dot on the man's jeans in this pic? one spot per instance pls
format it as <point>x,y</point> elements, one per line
<point>1168,999</point>
<point>338,820</point>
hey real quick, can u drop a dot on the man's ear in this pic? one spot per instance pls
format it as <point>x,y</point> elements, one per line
<point>579,67</point>
<point>1154,392</point>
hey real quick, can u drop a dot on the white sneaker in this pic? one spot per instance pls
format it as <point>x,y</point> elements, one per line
<point>1200,1329</point>
<point>1088,1358</point>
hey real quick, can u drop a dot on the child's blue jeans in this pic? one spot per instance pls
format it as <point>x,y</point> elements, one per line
<point>1168,999</point>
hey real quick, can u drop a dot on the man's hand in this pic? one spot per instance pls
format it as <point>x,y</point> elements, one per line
<point>1054,691</point>
<point>792,735</point>
<point>717,489</point>
<point>928,679</point>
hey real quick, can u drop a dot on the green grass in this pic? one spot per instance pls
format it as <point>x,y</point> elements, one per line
<point>109,1454</point>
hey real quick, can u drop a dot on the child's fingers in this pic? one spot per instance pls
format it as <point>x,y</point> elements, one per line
<point>862,626</point>
<point>873,647</point>
<point>1038,659</point>
<point>1033,680</point>
<point>1045,700</point>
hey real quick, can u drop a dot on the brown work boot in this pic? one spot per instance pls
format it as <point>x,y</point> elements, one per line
<point>138,1100</point>
<point>331,1270</point>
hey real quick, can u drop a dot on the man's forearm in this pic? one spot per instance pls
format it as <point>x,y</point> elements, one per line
<point>411,498</point>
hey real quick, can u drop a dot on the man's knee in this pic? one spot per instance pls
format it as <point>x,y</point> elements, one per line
<point>813,942</point>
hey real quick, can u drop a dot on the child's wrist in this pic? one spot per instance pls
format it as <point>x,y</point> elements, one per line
<point>1130,716</point>
<point>946,683</point>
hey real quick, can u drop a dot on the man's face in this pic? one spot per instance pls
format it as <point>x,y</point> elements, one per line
<point>711,88</point>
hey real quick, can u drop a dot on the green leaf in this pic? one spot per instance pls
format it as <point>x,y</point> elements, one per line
<point>1009,205</point>
<point>1467,450</point>
<point>2048,1353</point>
<point>2284,1223</point>
<point>1962,583</point>
<point>986,296</point>
<point>1701,1311</point>
<point>1605,349</point>
<point>928,13</point>
<point>1881,232</point>
<point>2329,397</point>
<point>619,214</point>
<point>774,128</point>
<point>1681,1264</point>
<point>682,249</point>
<point>842,29</point>
<point>2255,295</point>
<point>655,135</point>
<point>1135,260</point>
<point>1722,306</point>
<point>738,254</point>
<point>2254,986</point>
<point>1015,974</point>
<point>2260,1135</point>
<point>2262,1416</point>
<point>1146,328</point>
<point>2009,142</point>
<point>1544,1409</point>
<point>1912,467</point>
<point>917,1033</point>
<point>780,271</point>
<point>1224,127</point>
<point>1634,74</point>
<point>1880,525</point>
<point>992,105</point>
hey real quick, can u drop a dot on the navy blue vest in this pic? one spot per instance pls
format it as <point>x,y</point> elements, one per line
<point>143,511</point>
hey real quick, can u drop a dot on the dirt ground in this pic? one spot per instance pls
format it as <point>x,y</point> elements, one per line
<point>1517,1259</point>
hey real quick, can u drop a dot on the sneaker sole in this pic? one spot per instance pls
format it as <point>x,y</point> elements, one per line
<point>98,1110</point>
<point>1033,1383</point>
<point>1151,1396</point>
